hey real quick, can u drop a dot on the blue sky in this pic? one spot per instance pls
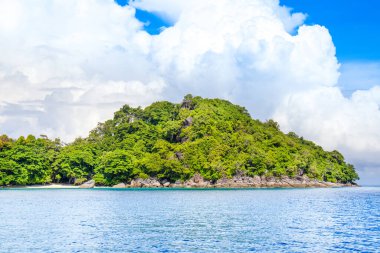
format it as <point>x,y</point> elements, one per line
<point>354,25</point>
<point>152,22</point>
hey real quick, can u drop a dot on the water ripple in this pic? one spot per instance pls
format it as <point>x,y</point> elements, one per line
<point>283,220</point>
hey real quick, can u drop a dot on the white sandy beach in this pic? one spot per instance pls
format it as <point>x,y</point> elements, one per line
<point>53,186</point>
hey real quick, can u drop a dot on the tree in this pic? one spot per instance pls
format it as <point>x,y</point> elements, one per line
<point>75,162</point>
<point>115,167</point>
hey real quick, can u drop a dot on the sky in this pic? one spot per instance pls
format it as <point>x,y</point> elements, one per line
<point>313,66</point>
<point>354,27</point>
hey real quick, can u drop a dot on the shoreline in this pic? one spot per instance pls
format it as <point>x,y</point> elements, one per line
<point>38,186</point>
<point>48,187</point>
<point>197,182</point>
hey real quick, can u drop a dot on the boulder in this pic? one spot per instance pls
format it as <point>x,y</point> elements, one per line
<point>177,184</point>
<point>197,181</point>
<point>121,185</point>
<point>136,183</point>
<point>88,184</point>
<point>154,183</point>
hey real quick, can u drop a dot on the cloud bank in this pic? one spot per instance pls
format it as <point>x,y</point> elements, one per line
<point>66,65</point>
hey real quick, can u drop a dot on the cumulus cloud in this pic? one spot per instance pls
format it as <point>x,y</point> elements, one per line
<point>65,65</point>
<point>326,116</point>
<point>242,51</point>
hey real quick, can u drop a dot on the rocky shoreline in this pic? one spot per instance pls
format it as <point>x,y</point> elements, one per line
<point>235,182</point>
<point>197,181</point>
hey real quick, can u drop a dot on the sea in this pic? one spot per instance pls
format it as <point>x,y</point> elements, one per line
<point>190,220</point>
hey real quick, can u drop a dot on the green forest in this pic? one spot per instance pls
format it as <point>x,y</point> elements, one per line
<point>169,141</point>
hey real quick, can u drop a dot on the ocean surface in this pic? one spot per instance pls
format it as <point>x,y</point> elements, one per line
<point>254,220</point>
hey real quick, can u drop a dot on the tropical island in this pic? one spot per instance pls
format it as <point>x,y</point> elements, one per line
<point>197,143</point>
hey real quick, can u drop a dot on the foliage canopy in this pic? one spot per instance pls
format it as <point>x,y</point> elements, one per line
<point>169,141</point>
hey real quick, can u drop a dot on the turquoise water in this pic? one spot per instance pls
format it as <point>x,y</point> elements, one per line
<point>277,220</point>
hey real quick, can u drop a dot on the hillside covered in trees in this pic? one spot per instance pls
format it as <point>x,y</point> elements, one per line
<point>166,141</point>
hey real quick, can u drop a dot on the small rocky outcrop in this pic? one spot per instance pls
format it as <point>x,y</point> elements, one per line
<point>179,155</point>
<point>145,183</point>
<point>197,181</point>
<point>121,185</point>
<point>187,103</point>
<point>88,184</point>
<point>188,122</point>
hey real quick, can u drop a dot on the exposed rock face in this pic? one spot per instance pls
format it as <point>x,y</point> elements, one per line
<point>197,181</point>
<point>88,184</point>
<point>121,185</point>
<point>179,155</point>
<point>187,103</point>
<point>188,121</point>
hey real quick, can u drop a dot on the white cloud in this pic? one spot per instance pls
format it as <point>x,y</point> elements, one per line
<point>242,51</point>
<point>57,56</point>
<point>66,65</point>
<point>326,116</point>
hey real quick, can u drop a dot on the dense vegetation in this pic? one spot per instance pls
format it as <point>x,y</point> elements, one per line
<point>169,141</point>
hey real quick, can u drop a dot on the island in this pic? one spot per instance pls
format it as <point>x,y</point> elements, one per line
<point>200,142</point>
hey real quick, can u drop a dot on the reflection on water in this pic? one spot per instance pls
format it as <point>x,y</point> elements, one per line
<point>282,220</point>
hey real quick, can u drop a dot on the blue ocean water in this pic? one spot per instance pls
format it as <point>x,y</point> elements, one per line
<point>255,220</point>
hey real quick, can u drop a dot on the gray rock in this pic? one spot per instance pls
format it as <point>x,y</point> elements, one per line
<point>188,121</point>
<point>88,184</point>
<point>197,181</point>
<point>179,155</point>
<point>186,103</point>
